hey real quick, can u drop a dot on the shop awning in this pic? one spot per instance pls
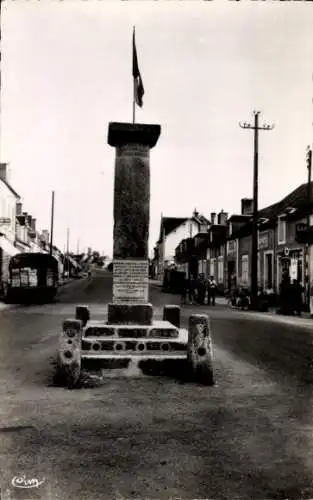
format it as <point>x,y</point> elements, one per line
<point>8,247</point>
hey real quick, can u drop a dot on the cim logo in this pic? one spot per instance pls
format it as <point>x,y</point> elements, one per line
<point>23,482</point>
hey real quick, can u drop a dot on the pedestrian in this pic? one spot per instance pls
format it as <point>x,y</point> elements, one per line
<point>211,290</point>
<point>191,290</point>
<point>311,300</point>
<point>201,289</point>
<point>233,290</point>
<point>184,290</point>
<point>297,290</point>
<point>285,295</point>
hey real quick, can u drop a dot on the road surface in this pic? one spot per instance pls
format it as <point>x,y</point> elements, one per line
<point>249,436</point>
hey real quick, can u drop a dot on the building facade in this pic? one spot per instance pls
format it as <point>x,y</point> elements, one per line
<point>285,245</point>
<point>8,200</point>
<point>172,231</point>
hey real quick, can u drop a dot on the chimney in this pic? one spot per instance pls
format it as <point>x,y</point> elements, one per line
<point>213,218</point>
<point>19,208</point>
<point>3,171</point>
<point>195,213</point>
<point>29,220</point>
<point>246,206</point>
<point>222,218</point>
<point>33,225</point>
<point>45,235</point>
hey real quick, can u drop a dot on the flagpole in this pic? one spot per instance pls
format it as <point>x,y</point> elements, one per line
<point>134,103</point>
<point>134,83</point>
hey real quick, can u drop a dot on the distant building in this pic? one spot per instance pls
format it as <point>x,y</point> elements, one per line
<point>172,231</point>
<point>8,200</point>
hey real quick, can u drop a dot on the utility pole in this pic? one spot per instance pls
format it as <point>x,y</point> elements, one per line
<point>254,261</point>
<point>68,251</point>
<point>52,222</point>
<point>307,246</point>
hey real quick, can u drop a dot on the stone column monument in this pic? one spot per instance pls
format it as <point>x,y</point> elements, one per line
<point>131,222</point>
<point>129,337</point>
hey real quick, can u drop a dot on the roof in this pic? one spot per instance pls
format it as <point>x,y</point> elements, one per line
<point>238,218</point>
<point>10,188</point>
<point>169,224</point>
<point>296,199</point>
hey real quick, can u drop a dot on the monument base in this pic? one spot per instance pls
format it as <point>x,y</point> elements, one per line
<point>126,347</point>
<point>134,314</point>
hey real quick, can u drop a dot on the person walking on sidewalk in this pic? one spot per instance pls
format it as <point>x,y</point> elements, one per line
<point>184,290</point>
<point>201,289</point>
<point>192,290</point>
<point>286,306</point>
<point>297,290</point>
<point>311,300</point>
<point>211,290</point>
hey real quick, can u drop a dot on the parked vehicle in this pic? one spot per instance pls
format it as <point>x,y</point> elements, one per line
<point>33,278</point>
<point>173,281</point>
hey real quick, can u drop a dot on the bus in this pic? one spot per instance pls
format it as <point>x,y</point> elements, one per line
<point>33,278</point>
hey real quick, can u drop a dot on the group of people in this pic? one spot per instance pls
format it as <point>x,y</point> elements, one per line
<point>199,290</point>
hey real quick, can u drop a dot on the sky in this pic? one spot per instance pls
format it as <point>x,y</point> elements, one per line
<point>66,73</point>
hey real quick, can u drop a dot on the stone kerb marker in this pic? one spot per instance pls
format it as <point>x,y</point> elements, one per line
<point>131,222</point>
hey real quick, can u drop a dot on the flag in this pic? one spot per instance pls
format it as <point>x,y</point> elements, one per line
<point>138,85</point>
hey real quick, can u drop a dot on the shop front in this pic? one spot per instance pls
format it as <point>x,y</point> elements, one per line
<point>290,262</point>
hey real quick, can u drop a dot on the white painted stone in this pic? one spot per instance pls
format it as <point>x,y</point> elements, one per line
<point>130,281</point>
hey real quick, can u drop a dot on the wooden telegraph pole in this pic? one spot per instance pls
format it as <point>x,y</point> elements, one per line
<point>254,261</point>
<point>307,246</point>
<point>52,222</point>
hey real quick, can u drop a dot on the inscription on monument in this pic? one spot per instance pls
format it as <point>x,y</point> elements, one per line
<point>130,281</point>
<point>133,150</point>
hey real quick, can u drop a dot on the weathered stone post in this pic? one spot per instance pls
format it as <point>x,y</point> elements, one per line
<point>172,314</point>
<point>69,354</point>
<point>131,222</point>
<point>199,349</point>
<point>82,313</point>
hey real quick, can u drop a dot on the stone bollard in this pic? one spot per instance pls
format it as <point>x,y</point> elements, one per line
<point>199,349</point>
<point>82,313</point>
<point>172,314</point>
<point>69,354</point>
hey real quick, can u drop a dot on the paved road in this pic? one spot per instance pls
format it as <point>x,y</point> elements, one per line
<point>250,436</point>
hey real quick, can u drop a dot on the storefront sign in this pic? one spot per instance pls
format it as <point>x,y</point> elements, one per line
<point>130,281</point>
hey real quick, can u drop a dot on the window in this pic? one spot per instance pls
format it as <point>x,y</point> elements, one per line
<point>245,269</point>
<point>281,230</point>
<point>220,270</point>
